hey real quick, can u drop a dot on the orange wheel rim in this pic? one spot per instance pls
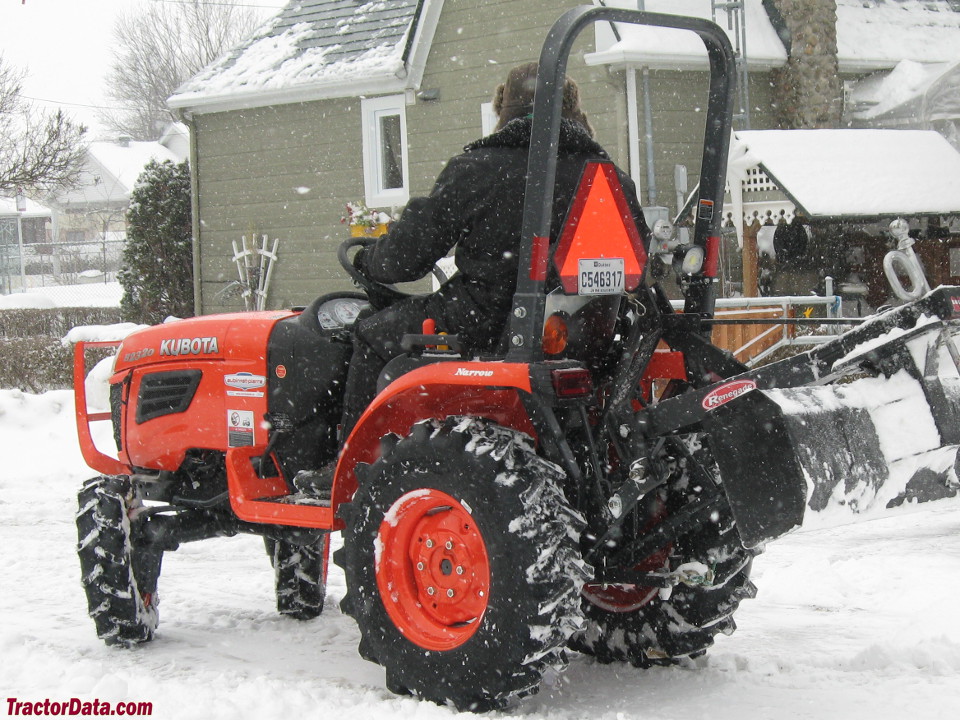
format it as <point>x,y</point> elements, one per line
<point>432,569</point>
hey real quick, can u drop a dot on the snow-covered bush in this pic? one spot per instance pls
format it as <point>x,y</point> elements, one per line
<point>157,276</point>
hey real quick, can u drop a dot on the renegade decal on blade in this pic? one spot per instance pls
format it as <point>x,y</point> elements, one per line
<point>955,302</point>
<point>189,346</point>
<point>725,393</point>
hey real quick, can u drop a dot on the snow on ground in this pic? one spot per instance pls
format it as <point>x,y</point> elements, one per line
<point>85,295</point>
<point>854,622</point>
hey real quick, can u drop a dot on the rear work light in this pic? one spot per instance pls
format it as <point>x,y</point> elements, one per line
<point>569,383</point>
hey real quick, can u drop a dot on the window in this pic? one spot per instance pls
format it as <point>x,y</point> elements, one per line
<point>34,230</point>
<point>385,173</point>
<point>954,262</point>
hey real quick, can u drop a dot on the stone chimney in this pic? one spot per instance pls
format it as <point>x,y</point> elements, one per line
<point>807,91</point>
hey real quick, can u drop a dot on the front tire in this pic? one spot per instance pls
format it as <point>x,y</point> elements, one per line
<point>119,574</point>
<point>462,565</point>
<point>300,577</point>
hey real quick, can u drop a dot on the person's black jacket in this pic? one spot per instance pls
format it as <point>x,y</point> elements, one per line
<point>477,206</point>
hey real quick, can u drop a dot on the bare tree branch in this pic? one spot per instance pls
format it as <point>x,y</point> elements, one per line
<point>159,47</point>
<point>39,152</point>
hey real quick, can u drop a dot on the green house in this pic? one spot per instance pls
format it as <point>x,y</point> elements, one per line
<point>345,101</point>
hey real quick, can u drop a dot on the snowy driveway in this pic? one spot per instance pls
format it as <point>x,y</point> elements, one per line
<point>856,622</point>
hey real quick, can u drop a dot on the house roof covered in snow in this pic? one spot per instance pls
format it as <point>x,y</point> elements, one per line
<point>681,49</point>
<point>316,49</point>
<point>857,173</point>
<point>877,34</point>
<point>111,170</point>
<point>871,35</point>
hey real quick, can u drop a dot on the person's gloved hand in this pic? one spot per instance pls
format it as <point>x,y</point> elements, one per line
<point>358,261</point>
<point>380,295</point>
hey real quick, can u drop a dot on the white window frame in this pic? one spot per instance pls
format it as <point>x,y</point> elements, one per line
<point>488,118</point>
<point>372,110</point>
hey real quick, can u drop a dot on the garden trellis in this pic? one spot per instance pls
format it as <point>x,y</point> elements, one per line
<point>255,266</point>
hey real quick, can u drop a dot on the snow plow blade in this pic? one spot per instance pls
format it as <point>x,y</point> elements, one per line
<point>875,432</point>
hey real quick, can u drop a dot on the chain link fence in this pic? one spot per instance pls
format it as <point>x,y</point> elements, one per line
<point>55,266</point>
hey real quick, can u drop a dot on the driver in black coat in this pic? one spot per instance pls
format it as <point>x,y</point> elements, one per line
<point>476,206</point>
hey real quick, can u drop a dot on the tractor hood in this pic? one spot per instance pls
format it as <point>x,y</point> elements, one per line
<point>211,337</point>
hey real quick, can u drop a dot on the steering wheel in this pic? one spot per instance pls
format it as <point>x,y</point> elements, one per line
<point>380,294</point>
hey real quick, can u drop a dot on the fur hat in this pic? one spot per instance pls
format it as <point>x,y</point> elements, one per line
<point>514,98</point>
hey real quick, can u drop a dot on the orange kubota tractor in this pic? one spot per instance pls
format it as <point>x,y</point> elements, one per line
<point>600,486</point>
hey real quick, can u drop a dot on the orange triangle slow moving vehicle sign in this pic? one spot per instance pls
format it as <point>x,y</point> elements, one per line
<point>600,250</point>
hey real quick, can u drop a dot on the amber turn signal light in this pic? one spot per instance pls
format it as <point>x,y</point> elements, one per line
<point>555,333</point>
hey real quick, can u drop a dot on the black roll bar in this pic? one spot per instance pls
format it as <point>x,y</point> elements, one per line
<point>526,321</point>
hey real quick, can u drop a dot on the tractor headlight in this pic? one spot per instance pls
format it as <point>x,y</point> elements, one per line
<point>690,262</point>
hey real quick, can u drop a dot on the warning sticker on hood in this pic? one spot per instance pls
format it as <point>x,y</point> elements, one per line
<point>239,428</point>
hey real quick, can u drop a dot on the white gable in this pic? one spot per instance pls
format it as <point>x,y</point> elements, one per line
<point>111,170</point>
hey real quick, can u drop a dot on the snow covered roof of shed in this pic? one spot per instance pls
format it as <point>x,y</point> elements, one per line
<point>857,173</point>
<point>314,49</point>
<point>681,49</point>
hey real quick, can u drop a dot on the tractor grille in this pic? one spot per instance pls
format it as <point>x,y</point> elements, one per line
<point>166,393</point>
<point>116,410</point>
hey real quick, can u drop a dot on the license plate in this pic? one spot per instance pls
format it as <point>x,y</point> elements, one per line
<point>600,277</point>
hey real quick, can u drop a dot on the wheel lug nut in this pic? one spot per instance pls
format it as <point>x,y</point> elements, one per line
<point>429,543</point>
<point>449,545</point>
<point>459,569</point>
<point>420,566</point>
<point>431,591</point>
<point>450,592</point>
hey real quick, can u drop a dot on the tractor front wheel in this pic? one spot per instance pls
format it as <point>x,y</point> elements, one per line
<point>119,573</point>
<point>462,564</point>
<point>300,576</point>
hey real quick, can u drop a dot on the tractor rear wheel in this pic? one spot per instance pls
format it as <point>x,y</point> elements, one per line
<point>646,626</point>
<point>119,573</point>
<point>462,564</point>
<point>300,576</point>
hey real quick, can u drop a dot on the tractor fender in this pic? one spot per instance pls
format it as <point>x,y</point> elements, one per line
<point>439,390</point>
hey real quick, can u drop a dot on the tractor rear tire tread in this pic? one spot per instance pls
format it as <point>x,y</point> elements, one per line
<point>532,540</point>
<point>685,623</point>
